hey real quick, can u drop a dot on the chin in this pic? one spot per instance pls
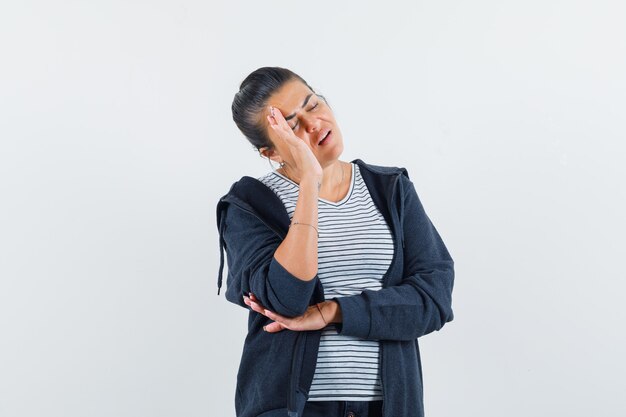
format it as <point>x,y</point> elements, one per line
<point>338,150</point>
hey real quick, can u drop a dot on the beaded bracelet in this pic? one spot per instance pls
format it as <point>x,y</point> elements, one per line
<point>297,222</point>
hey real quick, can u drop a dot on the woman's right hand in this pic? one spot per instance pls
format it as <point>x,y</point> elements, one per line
<point>302,162</point>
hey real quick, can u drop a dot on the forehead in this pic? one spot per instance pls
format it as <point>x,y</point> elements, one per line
<point>289,97</point>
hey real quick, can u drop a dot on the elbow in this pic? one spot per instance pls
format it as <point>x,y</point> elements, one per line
<point>434,312</point>
<point>446,314</point>
<point>436,323</point>
<point>446,317</point>
<point>450,316</point>
<point>287,294</point>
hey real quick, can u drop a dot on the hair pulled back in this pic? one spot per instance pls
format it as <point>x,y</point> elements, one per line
<point>254,92</point>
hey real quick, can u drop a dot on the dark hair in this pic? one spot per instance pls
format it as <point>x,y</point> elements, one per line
<point>252,97</point>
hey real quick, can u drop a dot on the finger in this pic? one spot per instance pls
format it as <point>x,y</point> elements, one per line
<point>251,298</point>
<point>253,302</point>
<point>256,302</point>
<point>247,301</point>
<point>282,130</point>
<point>277,317</point>
<point>275,125</point>
<point>277,116</point>
<point>271,115</point>
<point>273,327</point>
<point>255,306</point>
<point>276,113</point>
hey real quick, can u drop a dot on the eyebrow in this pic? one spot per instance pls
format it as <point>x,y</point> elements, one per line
<point>306,100</point>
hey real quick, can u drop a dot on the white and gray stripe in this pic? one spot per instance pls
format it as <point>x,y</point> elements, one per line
<point>355,248</point>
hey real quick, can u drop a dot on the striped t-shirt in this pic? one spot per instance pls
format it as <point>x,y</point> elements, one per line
<point>355,248</point>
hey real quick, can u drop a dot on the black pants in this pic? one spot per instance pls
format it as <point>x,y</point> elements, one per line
<point>343,409</point>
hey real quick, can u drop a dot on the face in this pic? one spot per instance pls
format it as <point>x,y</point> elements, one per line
<point>308,115</point>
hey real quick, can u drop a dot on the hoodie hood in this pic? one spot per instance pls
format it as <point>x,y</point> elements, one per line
<point>255,197</point>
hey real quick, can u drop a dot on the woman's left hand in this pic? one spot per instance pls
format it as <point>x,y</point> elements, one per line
<point>310,320</point>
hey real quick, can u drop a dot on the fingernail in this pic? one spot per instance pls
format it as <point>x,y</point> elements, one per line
<point>264,328</point>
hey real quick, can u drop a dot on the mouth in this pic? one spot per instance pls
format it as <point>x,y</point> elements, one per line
<point>324,138</point>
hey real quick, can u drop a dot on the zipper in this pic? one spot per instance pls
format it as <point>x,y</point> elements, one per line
<point>382,376</point>
<point>292,407</point>
<point>393,258</point>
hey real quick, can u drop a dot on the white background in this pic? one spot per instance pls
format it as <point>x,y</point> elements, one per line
<point>117,141</point>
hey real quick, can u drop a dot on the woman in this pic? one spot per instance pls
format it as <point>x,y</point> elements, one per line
<point>338,263</point>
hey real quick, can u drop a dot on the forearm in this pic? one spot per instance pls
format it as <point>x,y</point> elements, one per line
<point>420,305</point>
<point>298,251</point>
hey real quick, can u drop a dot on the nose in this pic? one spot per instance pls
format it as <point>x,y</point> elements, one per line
<point>312,124</point>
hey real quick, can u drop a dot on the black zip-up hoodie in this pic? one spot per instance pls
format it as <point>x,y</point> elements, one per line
<point>276,369</point>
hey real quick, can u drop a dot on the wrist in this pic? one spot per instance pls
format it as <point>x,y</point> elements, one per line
<point>332,311</point>
<point>312,183</point>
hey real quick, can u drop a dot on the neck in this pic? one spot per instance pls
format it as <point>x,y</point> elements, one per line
<point>334,177</point>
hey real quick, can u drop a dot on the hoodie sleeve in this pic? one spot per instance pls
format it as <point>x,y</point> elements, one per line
<point>421,303</point>
<point>250,247</point>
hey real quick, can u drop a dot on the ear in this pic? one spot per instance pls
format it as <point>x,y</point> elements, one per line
<point>270,153</point>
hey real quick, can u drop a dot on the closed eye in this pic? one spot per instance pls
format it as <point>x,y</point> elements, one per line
<point>312,108</point>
